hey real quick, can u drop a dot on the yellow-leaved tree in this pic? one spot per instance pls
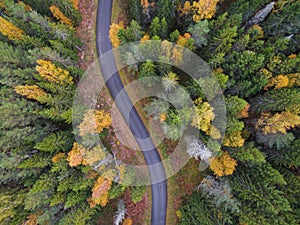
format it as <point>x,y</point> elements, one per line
<point>278,82</point>
<point>201,9</point>
<point>203,115</point>
<point>60,16</point>
<point>223,165</point>
<point>32,92</point>
<point>233,139</point>
<point>52,73</point>
<point>9,30</point>
<point>94,121</point>
<point>75,4</point>
<point>279,122</point>
<point>113,33</point>
<point>183,39</point>
<point>244,112</point>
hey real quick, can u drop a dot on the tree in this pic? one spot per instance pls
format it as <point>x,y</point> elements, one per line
<point>203,115</point>
<point>127,221</point>
<point>170,81</point>
<point>31,92</point>
<point>60,16</point>
<point>50,72</point>
<point>197,149</point>
<point>278,82</point>
<point>101,188</point>
<point>75,156</point>
<point>199,32</point>
<point>279,122</point>
<point>10,30</point>
<point>94,121</point>
<point>113,33</point>
<point>120,213</point>
<point>223,165</point>
<point>277,100</point>
<point>249,154</point>
<point>204,9</point>
<point>133,32</point>
<point>155,27</point>
<point>147,69</point>
<point>233,139</point>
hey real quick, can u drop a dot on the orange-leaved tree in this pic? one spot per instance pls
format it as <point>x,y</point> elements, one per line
<point>75,156</point>
<point>9,30</point>
<point>101,187</point>
<point>127,221</point>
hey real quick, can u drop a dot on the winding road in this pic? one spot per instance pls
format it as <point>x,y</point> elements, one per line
<point>125,106</point>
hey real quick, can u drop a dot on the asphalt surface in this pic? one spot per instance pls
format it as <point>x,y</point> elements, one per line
<point>128,111</point>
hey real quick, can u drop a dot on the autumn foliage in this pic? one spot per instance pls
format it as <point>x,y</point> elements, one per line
<point>202,9</point>
<point>30,91</point>
<point>52,73</point>
<point>113,33</point>
<point>75,156</point>
<point>10,30</point>
<point>75,3</point>
<point>279,122</point>
<point>223,165</point>
<point>127,221</point>
<point>203,115</point>
<point>94,121</point>
<point>101,187</point>
<point>233,139</point>
<point>56,158</point>
<point>278,82</point>
<point>60,16</point>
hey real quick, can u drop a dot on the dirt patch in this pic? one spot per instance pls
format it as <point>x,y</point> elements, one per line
<point>86,32</point>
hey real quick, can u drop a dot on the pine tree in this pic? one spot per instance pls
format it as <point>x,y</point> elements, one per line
<point>277,100</point>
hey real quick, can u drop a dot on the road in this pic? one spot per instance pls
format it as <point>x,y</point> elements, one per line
<point>125,106</point>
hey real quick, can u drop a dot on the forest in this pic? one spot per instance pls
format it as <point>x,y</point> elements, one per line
<point>252,49</point>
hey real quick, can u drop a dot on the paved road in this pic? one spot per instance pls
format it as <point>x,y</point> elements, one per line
<point>115,86</point>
